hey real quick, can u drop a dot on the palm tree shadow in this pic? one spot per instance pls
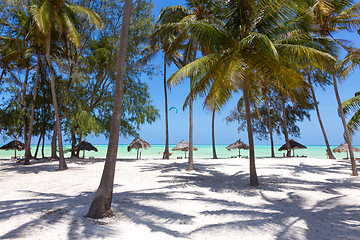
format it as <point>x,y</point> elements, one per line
<point>50,209</point>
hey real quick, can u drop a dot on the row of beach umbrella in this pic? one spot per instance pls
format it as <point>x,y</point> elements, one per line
<point>138,144</point>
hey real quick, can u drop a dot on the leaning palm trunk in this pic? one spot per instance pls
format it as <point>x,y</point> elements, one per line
<point>62,163</point>
<point>190,166</point>
<point>213,134</point>
<point>270,127</point>
<point>101,204</point>
<point>166,152</point>
<point>288,153</point>
<point>346,130</point>
<point>253,176</point>
<point>328,149</point>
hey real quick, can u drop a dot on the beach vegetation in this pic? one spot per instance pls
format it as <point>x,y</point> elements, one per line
<point>250,39</point>
<point>84,74</point>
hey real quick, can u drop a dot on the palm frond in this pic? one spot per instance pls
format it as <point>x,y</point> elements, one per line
<point>42,15</point>
<point>71,30</point>
<point>354,123</point>
<point>93,17</point>
<point>351,105</point>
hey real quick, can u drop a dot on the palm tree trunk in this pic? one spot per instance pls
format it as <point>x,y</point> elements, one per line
<point>166,152</point>
<point>190,166</point>
<point>328,149</point>
<point>23,110</point>
<point>53,144</point>
<point>253,176</point>
<point>32,114</point>
<point>73,141</point>
<point>62,163</point>
<point>38,145</point>
<point>213,134</point>
<point>101,204</point>
<point>270,127</point>
<point>288,153</point>
<point>347,134</point>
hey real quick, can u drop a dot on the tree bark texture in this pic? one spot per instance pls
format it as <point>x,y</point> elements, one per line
<point>328,149</point>
<point>166,154</point>
<point>270,127</point>
<point>253,176</point>
<point>346,130</point>
<point>286,134</point>
<point>190,166</point>
<point>101,204</point>
<point>62,163</point>
<point>25,124</point>
<point>213,134</point>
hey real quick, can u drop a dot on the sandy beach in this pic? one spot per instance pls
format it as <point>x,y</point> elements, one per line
<point>298,198</point>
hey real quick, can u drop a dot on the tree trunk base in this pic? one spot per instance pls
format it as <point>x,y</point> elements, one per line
<point>190,167</point>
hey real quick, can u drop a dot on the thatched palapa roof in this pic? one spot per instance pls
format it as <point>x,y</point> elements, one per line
<point>86,146</point>
<point>293,145</point>
<point>138,143</point>
<point>345,148</point>
<point>237,145</point>
<point>13,145</point>
<point>183,146</point>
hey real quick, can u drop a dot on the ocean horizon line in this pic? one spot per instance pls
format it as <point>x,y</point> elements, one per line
<point>200,144</point>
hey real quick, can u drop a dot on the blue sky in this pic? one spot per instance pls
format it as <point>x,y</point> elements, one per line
<point>226,134</point>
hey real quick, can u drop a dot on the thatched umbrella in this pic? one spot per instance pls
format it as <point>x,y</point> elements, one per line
<point>183,146</point>
<point>138,143</point>
<point>238,145</point>
<point>14,145</point>
<point>293,145</point>
<point>86,146</point>
<point>345,148</point>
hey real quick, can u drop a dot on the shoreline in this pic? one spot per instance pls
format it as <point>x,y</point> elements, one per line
<point>205,151</point>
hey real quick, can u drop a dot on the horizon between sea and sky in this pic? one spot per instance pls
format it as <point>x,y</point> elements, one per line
<point>226,134</point>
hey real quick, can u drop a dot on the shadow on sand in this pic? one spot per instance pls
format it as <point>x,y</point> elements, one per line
<point>327,219</point>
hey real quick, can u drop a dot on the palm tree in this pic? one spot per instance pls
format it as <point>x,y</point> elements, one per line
<point>51,15</point>
<point>173,18</point>
<point>247,42</point>
<point>101,204</point>
<point>330,16</point>
<point>162,42</point>
<point>328,149</point>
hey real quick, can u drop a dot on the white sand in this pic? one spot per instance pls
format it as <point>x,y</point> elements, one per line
<point>299,198</point>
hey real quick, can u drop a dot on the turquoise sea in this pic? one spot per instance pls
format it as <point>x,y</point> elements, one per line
<point>204,151</point>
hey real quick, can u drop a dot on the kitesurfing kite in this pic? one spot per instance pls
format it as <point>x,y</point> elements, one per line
<point>173,108</point>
